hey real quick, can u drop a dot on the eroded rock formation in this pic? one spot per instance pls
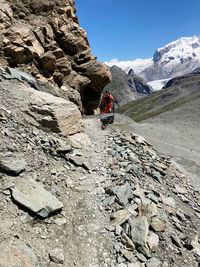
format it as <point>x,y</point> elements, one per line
<point>45,38</point>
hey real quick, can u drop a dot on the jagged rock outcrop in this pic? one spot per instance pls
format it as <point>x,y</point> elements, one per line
<point>127,87</point>
<point>44,37</point>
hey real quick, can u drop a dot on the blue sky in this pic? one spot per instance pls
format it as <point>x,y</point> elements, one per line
<point>131,29</point>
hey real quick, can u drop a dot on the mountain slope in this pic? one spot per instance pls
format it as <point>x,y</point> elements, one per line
<point>174,59</point>
<point>126,87</point>
<point>176,93</point>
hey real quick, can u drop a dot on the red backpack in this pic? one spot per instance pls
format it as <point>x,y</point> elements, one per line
<point>106,98</point>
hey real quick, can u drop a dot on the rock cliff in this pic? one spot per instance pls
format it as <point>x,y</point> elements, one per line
<point>45,38</point>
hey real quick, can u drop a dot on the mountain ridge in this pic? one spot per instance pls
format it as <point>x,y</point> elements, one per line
<point>126,87</point>
<point>174,59</point>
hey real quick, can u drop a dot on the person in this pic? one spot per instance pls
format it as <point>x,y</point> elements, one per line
<point>106,103</point>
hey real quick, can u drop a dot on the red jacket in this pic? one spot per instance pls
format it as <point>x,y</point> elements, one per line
<point>107,103</point>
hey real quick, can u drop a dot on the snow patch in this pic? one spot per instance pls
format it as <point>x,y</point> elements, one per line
<point>158,84</point>
<point>138,65</point>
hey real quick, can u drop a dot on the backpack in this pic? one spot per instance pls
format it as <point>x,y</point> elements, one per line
<point>106,98</point>
<point>102,105</point>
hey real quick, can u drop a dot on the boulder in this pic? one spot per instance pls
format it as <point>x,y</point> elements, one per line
<point>55,113</point>
<point>30,194</point>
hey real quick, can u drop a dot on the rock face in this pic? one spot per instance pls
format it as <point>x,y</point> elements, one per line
<point>45,38</point>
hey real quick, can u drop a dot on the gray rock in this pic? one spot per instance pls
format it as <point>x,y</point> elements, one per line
<point>123,193</point>
<point>169,201</point>
<point>34,197</point>
<point>153,241</point>
<point>64,149</point>
<point>126,241</point>
<point>81,161</point>
<point>19,75</point>
<point>176,240</point>
<point>141,257</point>
<point>122,265</point>
<point>153,197</point>
<point>119,217</point>
<point>154,262</point>
<point>139,230</point>
<point>57,255</point>
<point>117,246</point>
<point>156,175</point>
<point>134,264</point>
<point>12,166</point>
<point>118,230</point>
<point>127,254</point>
<point>145,251</point>
<point>158,225</point>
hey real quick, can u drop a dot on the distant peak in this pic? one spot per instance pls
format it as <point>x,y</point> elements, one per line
<point>131,72</point>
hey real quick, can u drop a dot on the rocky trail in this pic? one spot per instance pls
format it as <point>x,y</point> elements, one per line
<point>95,198</point>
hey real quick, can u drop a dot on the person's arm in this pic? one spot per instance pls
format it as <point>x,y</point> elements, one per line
<point>111,97</point>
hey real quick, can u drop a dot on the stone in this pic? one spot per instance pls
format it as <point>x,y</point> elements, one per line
<point>55,113</point>
<point>141,257</point>
<point>154,262</point>
<point>169,201</point>
<point>153,241</point>
<point>60,221</point>
<point>149,210</point>
<point>12,166</point>
<point>139,230</point>
<point>57,255</point>
<point>161,165</point>
<point>145,251</point>
<point>157,225</point>
<point>139,139</point>
<point>119,217</point>
<point>156,175</point>
<point>176,240</point>
<point>152,197</point>
<point>127,254</point>
<point>126,241</point>
<point>118,230</point>
<point>80,139</point>
<point>81,161</point>
<point>12,257</point>
<point>194,244</point>
<point>122,265</point>
<point>64,149</point>
<point>123,193</point>
<point>134,264</point>
<point>30,194</point>
<point>117,246</point>
<point>179,190</point>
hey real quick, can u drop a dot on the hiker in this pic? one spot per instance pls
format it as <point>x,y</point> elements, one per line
<point>106,103</point>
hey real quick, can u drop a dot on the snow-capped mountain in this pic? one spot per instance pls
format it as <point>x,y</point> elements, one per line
<point>138,65</point>
<point>176,58</point>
